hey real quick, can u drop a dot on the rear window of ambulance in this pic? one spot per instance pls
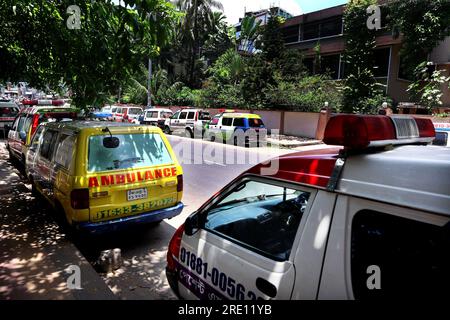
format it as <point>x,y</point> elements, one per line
<point>134,151</point>
<point>255,123</point>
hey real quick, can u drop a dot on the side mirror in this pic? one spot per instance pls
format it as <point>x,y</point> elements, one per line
<point>111,142</point>
<point>23,136</point>
<point>191,224</point>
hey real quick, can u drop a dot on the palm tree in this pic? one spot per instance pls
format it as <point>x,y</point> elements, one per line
<point>197,13</point>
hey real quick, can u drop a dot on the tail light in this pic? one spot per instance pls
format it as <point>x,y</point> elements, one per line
<point>79,199</point>
<point>180,183</point>
<point>174,248</point>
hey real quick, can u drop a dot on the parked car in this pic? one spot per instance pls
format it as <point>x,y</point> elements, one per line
<point>328,224</point>
<point>8,111</point>
<point>152,116</point>
<point>98,175</point>
<point>187,122</point>
<point>125,113</point>
<point>238,128</point>
<point>26,123</point>
<point>104,114</point>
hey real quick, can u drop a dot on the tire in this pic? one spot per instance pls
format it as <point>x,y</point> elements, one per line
<point>167,130</point>
<point>188,133</point>
<point>235,141</point>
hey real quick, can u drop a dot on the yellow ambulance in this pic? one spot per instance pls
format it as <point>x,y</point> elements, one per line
<point>104,176</point>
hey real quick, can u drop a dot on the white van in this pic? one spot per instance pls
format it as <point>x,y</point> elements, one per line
<point>153,116</point>
<point>369,220</point>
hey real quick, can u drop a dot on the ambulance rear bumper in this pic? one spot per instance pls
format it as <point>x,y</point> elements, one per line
<point>126,222</point>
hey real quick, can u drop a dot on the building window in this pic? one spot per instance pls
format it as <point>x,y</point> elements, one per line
<point>381,67</point>
<point>330,65</point>
<point>311,31</point>
<point>326,28</point>
<point>291,34</point>
<point>331,27</point>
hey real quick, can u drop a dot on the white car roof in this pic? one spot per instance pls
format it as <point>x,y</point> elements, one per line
<point>158,109</point>
<point>410,176</point>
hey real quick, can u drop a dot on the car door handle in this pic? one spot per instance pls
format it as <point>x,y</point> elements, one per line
<point>266,287</point>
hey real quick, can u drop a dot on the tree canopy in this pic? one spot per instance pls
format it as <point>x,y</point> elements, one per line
<point>37,46</point>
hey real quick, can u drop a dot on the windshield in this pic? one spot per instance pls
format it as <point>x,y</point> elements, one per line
<point>134,151</point>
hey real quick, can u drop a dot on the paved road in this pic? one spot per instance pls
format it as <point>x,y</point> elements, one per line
<point>208,167</point>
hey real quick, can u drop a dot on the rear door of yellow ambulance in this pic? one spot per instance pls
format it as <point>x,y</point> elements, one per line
<point>134,173</point>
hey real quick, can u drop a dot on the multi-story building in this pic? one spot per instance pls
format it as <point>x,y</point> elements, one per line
<point>262,17</point>
<point>326,28</point>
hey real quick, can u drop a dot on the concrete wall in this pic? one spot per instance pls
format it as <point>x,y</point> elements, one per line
<point>301,124</point>
<point>272,119</point>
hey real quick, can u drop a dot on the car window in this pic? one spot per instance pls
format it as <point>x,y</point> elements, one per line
<point>263,217</point>
<point>166,114</point>
<point>183,115</point>
<point>176,115</point>
<point>238,122</point>
<point>134,111</point>
<point>36,138</point>
<point>65,147</point>
<point>255,123</point>
<point>48,144</point>
<point>441,138</point>
<point>204,115</point>
<point>152,114</point>
<point>15,124</point>
<point>412,257</point>
<point>21,123</point>
<point>27,124</point>
<point>227,121</point>
<point>113,110</point>
<point>119,110</point>
<point>134,151</point>
<point>191,115</point>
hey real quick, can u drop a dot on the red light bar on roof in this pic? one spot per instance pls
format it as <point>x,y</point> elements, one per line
<point>360,131</point>
<point>43,102</point>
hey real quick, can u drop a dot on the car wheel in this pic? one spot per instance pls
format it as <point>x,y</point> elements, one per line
<point>188,133</point>
<point>167,130</point>
<point>212,138</point>
<point>235,140</point>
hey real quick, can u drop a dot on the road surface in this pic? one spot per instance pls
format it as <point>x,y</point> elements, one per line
<point>207,166</point>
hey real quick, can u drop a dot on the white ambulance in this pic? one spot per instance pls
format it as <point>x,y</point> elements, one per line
<point>370,219</point>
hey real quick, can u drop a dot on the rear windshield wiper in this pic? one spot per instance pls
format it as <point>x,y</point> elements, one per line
<point>117,163</point>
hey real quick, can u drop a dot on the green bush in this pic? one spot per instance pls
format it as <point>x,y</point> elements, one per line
<point>307,94</point>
